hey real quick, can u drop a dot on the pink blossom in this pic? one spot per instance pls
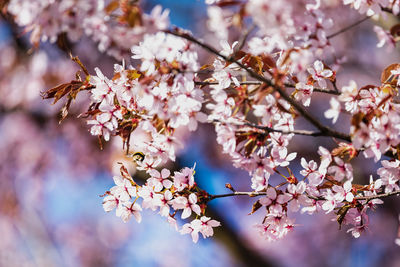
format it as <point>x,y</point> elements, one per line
<point>187,204</point>
<point>319,73</point>
<point>297,196</point>
<point>125,211</point>
<point>205,226</point>
<point>160,180</point>
<point>184,178</point>
<point>334,111</point>
<point>303,93</point>
<point>123,190</point>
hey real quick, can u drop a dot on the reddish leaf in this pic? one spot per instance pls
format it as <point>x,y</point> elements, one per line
<point>341,214</point>
<point>268,62</point>
<point>387,76</point>
<point>255,207</point>
<point>395,30</point>
<point>61,90</point>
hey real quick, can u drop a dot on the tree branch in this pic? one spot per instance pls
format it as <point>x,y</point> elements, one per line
<point>308,116</point>
<point>254,194</point>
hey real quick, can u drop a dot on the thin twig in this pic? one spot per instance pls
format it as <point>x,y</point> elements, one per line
<point>368,198</point>
<point>269,129</point>
<point>316,89</point>
<point>243,38</point>
<point>250,194</point>
<point>241,83</point>
<point>308,116</point>
<point>348,27</point>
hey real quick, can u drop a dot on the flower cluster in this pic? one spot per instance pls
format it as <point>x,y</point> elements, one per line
<point>163,192</point>
<point>161,96</point>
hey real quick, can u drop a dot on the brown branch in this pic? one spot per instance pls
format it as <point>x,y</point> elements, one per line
<point>308,116</point>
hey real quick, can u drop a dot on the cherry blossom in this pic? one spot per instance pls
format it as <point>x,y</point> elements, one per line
<point>319,73</point>
<point>334,111</point>
<point>304,92</point>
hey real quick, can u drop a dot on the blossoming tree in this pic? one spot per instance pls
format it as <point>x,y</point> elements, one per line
<point>267,62</point>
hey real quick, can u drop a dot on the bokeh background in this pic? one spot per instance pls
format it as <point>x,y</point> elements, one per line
<point>51,175</point>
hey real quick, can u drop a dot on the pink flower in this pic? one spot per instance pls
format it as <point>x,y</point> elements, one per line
<point>125,211</point>
<point>309,167</point>
<point>297,196</point>
<point>205,226</point>
<point>319,73</point>
<point>165,200</point>
<point>334,111</point>
<point>349,97</point>
<point>101,126</point>
<point>160,180</point>
<point>330,202</point>
<point>187,204</point>
<point>344,193</point>
<point>384,37</point>
<point>184,178</point>
<point>274,199</point>
<point>362,227</point>
<point>280,156</point>
<point>151,199</point>
<point>123,190</point>
<point>188,228</point>
<point>303,93</point>
<point>341,170</point>
<point>110,202</point>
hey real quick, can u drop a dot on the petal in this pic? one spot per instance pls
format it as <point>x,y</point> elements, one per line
<point>291,156</point>
<point>165,173</point>
<point>318,66</point>
<point>186,213</point>
<point>271,193</point>
<point>196,209</point>
<point>349,197</point>
<point>193,198</point>
<point>195,236</point>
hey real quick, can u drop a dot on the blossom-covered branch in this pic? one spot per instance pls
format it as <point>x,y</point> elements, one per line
<point>326,130</point>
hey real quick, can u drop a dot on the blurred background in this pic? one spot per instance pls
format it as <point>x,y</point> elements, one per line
<point>51,175</point>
